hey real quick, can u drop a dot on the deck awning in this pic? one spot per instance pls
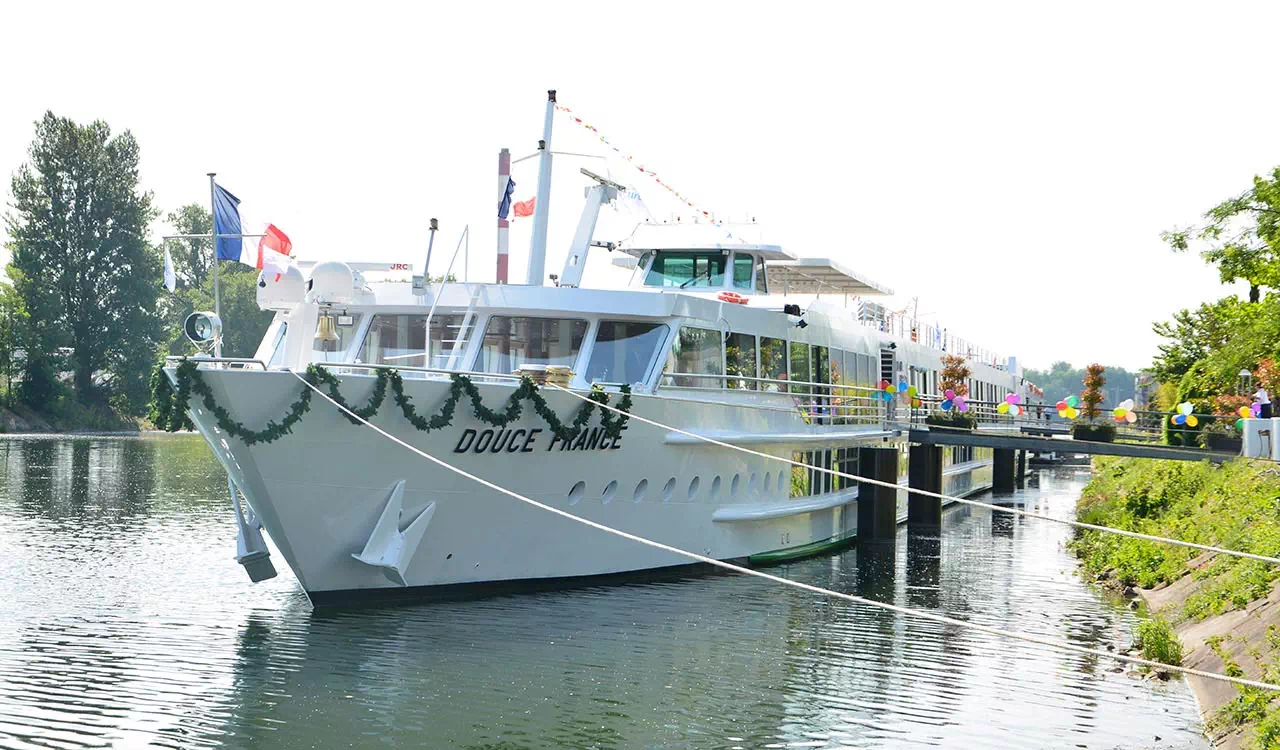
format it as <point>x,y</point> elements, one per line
<point>819,276</point>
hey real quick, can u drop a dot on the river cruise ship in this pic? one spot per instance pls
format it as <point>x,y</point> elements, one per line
<point>744,343</point>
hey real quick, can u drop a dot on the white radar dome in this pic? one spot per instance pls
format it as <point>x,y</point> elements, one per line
<point>281,291</point>
<point>331,283</point>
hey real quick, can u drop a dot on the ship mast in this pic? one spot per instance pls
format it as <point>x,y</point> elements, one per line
<point>538,245</point>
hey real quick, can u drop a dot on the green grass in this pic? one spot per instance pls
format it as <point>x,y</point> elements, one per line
<point>1235,506</point>
<point>1158,642</point>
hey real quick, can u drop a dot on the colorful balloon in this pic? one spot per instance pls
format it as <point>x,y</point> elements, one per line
<point>1186,407</point>
<point>1061,405</point>
<point>916,403</point>
<point>947,405</point>
<point>1072,413</point>
<point>1245,413</point>
<point>1131,417</point>
<point>949,395</point>
<point>1073,401</point>
<point>1256,410</point>
<point>1179,419</point>
<point>891,388</point>
<point>1239,424</point>
<point>1002,408</point>
<point>1192,421</point>
<point>912,391</point>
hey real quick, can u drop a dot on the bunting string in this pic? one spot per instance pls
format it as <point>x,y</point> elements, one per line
<point>698,211</point>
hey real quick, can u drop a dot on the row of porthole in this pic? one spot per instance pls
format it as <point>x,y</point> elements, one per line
<point>579,490</point>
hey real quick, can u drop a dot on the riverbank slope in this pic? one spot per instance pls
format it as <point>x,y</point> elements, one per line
<point>1225,610</point>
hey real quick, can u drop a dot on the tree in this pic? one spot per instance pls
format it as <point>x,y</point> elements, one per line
<point>1093,383</point>
<point>1193,334</point>
<point>192,258</point>
<point>13,322</point>
<point>1241,236</point>
<point>80,260</point>
<point>955,375</point>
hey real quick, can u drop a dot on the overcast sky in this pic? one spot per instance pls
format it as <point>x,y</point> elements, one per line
<point>1012,165</point>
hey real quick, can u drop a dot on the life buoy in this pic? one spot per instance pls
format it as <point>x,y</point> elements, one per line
<point>733,297</point>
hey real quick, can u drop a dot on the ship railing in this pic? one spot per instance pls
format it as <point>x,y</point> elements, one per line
<point>219,363</point>
<point>819,403</point>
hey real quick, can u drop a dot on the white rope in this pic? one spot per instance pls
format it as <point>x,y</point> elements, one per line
<point>927,493</point>
<point>921,614</point>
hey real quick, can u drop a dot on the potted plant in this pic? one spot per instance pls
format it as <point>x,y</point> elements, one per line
<point>1221,435</point>
<point>1092,429</point>
<point>954,380</point>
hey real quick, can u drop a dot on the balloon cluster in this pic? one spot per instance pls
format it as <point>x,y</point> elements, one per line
<point>1011,405</point>
<point>908,393</point>
<point>952,401</point>
<point>1248,412</point>
<point>1124,412</point>
<point>1184,415</point>
<point>1067,407</point>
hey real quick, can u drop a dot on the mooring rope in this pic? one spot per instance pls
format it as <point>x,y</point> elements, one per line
<point>961,500</point>
<point>920,614</point>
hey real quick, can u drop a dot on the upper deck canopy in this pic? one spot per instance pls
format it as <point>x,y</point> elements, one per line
<point>697,237</point>
<point>819,276</point>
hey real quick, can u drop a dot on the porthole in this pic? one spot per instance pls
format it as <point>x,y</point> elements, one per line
<point>641,488</point>
<point>715,488</point>
<point>577,492</point>
<point>768,481</point>
<point>753,484</point>
<point>610,490</point>
<point>668,490</point>
<point>693,488</point>
<point>733,487</point>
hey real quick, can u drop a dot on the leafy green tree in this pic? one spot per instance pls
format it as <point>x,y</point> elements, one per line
<point>80,260</point>
<point>1241,236</point>
<point>192,258</point>
<point>13,323</point>
<point>1193,335</point>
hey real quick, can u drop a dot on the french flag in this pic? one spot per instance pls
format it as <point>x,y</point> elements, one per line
<point>272,250</point>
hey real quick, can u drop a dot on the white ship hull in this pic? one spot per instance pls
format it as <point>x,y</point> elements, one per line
<point>321,490</point>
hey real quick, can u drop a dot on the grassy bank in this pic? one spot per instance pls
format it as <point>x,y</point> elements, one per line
<point>1217,604</point>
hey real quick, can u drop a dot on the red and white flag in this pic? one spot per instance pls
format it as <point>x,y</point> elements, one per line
<point>523,208</point>
<point>275,251</point>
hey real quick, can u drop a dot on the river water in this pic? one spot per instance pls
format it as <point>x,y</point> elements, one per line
<point>124,622</point>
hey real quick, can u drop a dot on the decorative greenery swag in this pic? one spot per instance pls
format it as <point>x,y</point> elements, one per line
<point>169,406</point>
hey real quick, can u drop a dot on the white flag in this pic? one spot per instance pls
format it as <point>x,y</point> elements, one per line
<point>170,278</point>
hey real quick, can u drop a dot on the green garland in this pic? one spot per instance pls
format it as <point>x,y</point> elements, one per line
<point>169,407</point>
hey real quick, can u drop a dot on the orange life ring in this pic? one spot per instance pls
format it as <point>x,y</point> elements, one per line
<point>733,297</point>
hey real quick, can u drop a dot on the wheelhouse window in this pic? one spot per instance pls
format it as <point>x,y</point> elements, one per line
<point>402,339</point>
<point>511,343</point>
<point>740,359</point>
<point>742,268</point>
<point>696,351</point>
<point>761,285</point>
<point>687,269</point>
<point>623,351</point>
<point>773,362</point>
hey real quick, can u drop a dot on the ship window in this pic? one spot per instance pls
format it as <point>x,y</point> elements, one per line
<point>761,286</point>
<point>696,351</point>
<point>623,351</point>
<point>511,343</point>
<point>401,339</point>
<point>687,269</point>
<point>773,361</point>
<point>740,359</point>
<point>742,267</point>
<point>800,366</point>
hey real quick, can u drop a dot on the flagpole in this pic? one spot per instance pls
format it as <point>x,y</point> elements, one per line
<point>504,174</point>
<point>213,235</point>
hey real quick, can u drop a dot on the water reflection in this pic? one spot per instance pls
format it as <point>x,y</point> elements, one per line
<point>124,621</point>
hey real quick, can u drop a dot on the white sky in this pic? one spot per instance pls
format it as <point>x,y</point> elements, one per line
<point>1011,164</point>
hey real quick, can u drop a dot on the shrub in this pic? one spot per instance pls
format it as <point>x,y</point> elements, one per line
<point>1158,642</point>
<point>955,374</point>
<point>1092,395</point>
